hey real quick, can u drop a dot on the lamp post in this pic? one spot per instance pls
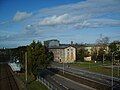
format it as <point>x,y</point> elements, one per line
<point>103,56</point>
<point>63,67</point>
<point>89,64</point>
<point>118,68</point>
<point>26,68</point>
<point>112,67</point>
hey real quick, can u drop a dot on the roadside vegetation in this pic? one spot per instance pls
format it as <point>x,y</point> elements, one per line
<point>97,67</point>
<point>102,58</point>
<point>32,84</point>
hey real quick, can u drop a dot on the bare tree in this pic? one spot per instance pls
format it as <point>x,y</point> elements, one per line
<point>102,41</point>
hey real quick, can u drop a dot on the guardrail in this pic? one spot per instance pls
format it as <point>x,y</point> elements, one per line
<point>46,83</point>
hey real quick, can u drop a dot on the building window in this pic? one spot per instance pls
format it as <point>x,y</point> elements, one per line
<point>68,49</point>
<point>71,49</point>
<point>68,53</point>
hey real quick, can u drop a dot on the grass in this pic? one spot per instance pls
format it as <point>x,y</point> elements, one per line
<point>32,83</point>
<point>97,67</point>
<point>36,85</point>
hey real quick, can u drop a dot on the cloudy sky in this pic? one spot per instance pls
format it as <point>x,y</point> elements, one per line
<point>81,21</point>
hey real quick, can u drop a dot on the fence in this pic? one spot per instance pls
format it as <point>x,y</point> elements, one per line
<point>46,83</point>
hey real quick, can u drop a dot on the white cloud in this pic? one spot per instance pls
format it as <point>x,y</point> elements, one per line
<point>96,23</point>
<point>92,7</point>
<point>61,19</point>
<point>21,16</point>
<point>54,20</point>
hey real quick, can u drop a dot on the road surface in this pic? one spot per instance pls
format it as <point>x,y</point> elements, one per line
<point>95,76</point>
<point>62,83</point>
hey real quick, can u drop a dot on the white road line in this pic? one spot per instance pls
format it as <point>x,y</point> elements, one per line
<point>76,82</point>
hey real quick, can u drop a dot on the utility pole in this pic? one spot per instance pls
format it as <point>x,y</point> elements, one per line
<point>112,69</point>
<point>118,68</point>
<point>89,64</point>
<point>26,68</point>
<point>63,67</point>
<point>103,56</point>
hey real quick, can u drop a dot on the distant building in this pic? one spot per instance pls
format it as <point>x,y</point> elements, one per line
<point>66,54</point>
<point>89,49</point>
<point>52,43</point>
<point>96,48</point>
<point>87,58</point>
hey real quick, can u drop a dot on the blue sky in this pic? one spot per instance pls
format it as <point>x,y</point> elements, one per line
<point>81,21</point>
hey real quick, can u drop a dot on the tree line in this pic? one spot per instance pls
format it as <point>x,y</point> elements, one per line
<point>102,52</point>
<point>38,56</point>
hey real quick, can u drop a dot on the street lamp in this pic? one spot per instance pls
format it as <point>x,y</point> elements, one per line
<point>63,67</point>
<point>26,68</point>
<point>118,68</point>
<point>103,56</point>
<point>112,67</point>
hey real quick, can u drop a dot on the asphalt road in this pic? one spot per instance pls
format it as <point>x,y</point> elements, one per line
<point>62,83</point>
<point>96,76</point>
<point>47,76</point>
<point>71,85</point>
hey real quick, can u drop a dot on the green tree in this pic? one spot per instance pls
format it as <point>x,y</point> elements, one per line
<point>94,54</point>
<point>100,56</point>
<point>113,46</point>
<point>38,57</point>
<point>102,42</point>
<point>81,54</point>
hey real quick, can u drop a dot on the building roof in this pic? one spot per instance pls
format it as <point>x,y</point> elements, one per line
<point>52,40</point>
<point>60,47</point>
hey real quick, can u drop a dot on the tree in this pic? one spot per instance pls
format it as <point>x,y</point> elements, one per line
<point>113,46</point>
<point>94,54</point>
<point>101,54</point>
<point>81,54</point>
<point>102,42</point>
<point>38,57</point>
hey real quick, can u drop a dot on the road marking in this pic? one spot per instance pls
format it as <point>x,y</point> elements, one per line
<point>81,76</point>
<point>76,82</point>
<point>60,83</point>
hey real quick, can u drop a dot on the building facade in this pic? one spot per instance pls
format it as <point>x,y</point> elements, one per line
<point>64,54</point>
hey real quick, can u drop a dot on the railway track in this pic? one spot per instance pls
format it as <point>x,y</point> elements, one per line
<point>7,80</point>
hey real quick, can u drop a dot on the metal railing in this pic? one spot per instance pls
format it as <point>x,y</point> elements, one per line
<point>46,83</point>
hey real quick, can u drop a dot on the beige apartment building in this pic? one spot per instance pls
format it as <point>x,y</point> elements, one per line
<point>64,54</point>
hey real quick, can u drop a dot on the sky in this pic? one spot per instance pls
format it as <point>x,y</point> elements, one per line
<point>80,21</point>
